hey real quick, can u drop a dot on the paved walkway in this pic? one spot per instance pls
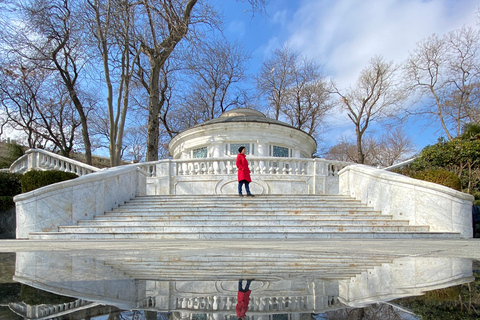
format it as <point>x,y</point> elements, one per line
<point>394,248</point>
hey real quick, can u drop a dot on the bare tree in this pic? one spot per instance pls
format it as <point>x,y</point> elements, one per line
<point>215,68</point>
<point>276,76</point>
<point>445,71</point>
<point>166,24</point>
<point>50,35</point>
<point>372,98</point>
<point>60,49</point>
<point>342,151</point>
<point>295,89</point>
<point>37,105</point>
<point>392,147</point>
<point>307,98</point>
<point>113,25</point>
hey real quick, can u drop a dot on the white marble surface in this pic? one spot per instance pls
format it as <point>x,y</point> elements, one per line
<point>420,202</point>
<point>199,281</point>
<point>67,202</point>
<point>263,135</point>
<point>406,277</point>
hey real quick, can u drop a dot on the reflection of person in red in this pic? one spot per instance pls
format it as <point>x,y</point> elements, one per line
<point>243,297</point>
<point>243,172</point>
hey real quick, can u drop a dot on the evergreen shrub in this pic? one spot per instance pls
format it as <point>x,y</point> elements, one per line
<point>440,176</point>
<point>34,179</point>
<point>10,153</point>
<point>6,202</point>
<point>10,184</point>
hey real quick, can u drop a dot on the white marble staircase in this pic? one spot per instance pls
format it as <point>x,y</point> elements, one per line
<point>232,217</point>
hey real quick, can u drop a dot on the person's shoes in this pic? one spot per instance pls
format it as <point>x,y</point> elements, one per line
<point>240,195</point>
<point>250,195</point>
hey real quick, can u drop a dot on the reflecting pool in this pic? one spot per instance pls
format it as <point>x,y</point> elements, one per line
<point>201,285</point>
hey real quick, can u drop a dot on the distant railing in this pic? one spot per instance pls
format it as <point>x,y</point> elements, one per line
<point>45,160</point>
<point>49,311</point>
<point>400,165</point>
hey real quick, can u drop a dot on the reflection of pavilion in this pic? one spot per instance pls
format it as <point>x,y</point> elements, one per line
<point>190,284</point>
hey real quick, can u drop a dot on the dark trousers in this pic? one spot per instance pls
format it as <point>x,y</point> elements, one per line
<point>240,184</point>
<point>247,287</point>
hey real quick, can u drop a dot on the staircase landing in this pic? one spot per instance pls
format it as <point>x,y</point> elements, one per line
<point>233,217</point>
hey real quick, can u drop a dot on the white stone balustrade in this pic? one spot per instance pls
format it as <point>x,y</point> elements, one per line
<point>421,202</point>
<point>270,175</point>
<point>227,304</point>
<point>44,160</point>
<point>66,202</point>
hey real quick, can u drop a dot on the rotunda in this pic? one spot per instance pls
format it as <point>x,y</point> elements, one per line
<point>261,136</point>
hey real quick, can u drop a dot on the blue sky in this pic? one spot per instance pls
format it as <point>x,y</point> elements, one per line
<point>345,34</point>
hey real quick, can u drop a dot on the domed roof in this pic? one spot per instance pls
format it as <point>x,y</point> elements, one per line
<point>243,115</point>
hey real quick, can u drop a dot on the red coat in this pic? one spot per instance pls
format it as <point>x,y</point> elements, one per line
<point>242,305</point>
<point>243,171</point>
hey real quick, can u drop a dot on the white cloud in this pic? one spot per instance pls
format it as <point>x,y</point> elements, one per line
<point>348,33</point>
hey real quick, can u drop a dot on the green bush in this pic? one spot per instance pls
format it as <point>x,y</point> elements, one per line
<point>9,154</point>
<point>476,202</point>
<point>6,202</point>
<point>33,179</point>
<point>10,184</point>
<point>440,176</point>
<point>34,296</point>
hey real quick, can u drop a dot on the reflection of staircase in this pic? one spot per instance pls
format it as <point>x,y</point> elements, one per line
<point>221,217</point>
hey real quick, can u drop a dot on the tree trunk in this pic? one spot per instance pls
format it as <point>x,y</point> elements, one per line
<point>85,135</point>
<point>361,156</point>
<point>154,110</point>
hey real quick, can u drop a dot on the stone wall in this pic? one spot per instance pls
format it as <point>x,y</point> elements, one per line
<point>421,202</point>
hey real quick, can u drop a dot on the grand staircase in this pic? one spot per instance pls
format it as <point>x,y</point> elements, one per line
<point>232,217</point>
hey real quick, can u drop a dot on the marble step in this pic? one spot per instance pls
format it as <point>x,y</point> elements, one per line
<point>260,258</point>
<point>263,197</point>
<point>227,229</point>
<point>233,211</point>
<point>243,235</point>
<point>244,217</point>
<point>236,222</point>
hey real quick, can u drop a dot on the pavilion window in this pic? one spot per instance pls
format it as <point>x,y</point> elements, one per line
<point>234,148</point>
<point>280,152</point>
<point>200,152</point>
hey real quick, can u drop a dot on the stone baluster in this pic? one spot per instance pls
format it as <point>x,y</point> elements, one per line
<point>179,169</point>
<point>224,168</point>
<point>212,166</point>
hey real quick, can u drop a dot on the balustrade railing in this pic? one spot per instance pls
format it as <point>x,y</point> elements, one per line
<point>228,303</point>
<point>257,165</point>
<point>47,311</point>
<point>45,160</point>
<point>41,159</point>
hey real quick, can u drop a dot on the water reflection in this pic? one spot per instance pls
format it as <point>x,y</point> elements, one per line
<point>204,286</point>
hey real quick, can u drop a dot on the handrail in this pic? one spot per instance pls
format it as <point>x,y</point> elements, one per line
<point>42,159</point>
<point>400,164</point>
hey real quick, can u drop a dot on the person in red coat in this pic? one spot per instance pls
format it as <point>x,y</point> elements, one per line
<point>243,172</point>
<point>243,297</point>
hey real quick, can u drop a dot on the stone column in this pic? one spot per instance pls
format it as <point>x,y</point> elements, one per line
<point>217,150</point>
<point>262,149</point>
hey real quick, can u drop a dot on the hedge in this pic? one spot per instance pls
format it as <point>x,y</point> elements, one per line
<point>34,179</point>
<point>440,176</point>
<point>10,184</point>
